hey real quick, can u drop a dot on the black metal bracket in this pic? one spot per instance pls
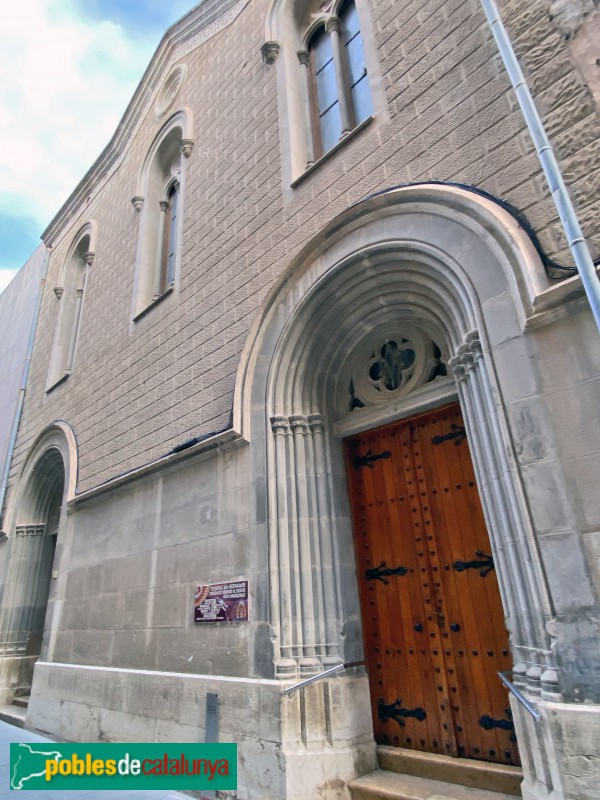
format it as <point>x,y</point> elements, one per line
<point>485,564</point>
<point>369,458</point>
<point>396,712</point>
<point>382,572</point>
<point>457,433</point>
<point>488,724</point>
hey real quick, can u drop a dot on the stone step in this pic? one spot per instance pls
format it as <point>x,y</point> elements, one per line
<point>383,785</point>
<point>501,778</point>
<point>14,715</point>
<point>22,701</point>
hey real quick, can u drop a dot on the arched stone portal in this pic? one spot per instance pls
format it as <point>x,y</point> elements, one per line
<point>34,519</point>
<point>458,269</point>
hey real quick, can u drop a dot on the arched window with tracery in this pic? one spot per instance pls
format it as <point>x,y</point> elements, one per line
<point>69,295</point>
<point>159,200</point>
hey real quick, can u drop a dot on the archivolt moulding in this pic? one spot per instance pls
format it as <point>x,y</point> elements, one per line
<point>60,438</point>
<point>182,119</point>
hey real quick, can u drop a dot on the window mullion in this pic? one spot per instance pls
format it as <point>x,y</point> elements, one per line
<point>76,320</point>
<point>333,28</point>
<point>162,233</point>
<point>313,136</point>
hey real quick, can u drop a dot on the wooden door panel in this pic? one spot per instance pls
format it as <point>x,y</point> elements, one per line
<point>433,623</point>
<point>398,608</point>
<point>469,586</point>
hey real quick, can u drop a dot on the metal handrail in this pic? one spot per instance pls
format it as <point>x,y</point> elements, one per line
<point>519,695</point>
<point>331,671</point>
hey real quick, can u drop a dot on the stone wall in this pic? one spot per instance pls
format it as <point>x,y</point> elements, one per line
<point>139,389</point>
<point>131,560</point>
<point>275,757</point>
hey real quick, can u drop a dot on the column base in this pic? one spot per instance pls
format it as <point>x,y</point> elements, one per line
<point>16,673</point>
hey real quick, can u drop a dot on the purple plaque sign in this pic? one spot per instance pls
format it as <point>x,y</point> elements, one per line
<point>222,602</point>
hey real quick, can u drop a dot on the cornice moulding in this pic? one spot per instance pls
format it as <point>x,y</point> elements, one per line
<point>198,26</point>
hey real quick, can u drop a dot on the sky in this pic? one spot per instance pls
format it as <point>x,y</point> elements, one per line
<point>68,68</point>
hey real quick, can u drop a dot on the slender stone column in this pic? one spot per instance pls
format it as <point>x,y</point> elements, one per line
<point>308,603</point>
<point>26,560</point>
<point>521,581</point>
<point>334,29</point>
<point>285,664</point>
<point>162,222</point>
<point>304,59</point>
<point>326,533</point>
<point>308,661</point>
<point>76,319</point>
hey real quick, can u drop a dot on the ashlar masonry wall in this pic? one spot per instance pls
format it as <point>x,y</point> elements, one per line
<point>138,389</point>
<point>129,558</point>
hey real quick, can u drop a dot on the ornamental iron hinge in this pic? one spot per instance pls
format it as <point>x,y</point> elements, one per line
<point>488,724</point>
<point>396,712</point>
<point>457,433</point>
<point>382,572</point>
<point>485,564</point>
<point>369,458</point>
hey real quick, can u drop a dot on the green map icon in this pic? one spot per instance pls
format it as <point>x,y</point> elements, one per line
<point>28,762</point>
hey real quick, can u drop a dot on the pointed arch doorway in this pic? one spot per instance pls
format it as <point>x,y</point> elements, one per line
<point>432,617</point>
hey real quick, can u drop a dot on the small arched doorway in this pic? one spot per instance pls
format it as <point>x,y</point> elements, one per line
<point>34,531</point>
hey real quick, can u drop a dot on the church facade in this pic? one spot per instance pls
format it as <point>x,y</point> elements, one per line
<point>314,387</point>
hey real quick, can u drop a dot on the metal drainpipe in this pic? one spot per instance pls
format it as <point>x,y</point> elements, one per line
<point>560,195</point>
<point>21,400</point>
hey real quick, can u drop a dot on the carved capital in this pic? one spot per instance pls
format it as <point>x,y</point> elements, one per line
<point>466,355</point>
<point>58,291</point>
<point>164,206</point>
<point>303,57</point>
<point>270,51</point>
<point>280,425</point>
<point>80,293</point>
<point>333,25</point>
<point>473,341</point>
<point>89,257</point>
<point>458,369</point>
<point>299,424</point>
<point>187,145</point>
<point>137,202</point>
<point>30,530</point>
<point>316,423</point>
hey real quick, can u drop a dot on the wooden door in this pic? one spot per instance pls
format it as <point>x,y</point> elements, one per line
<point>433,623</point>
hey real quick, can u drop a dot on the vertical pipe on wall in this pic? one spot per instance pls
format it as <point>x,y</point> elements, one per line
<point>560,195</point>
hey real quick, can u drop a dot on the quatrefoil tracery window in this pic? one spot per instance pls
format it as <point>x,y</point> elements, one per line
<point>387,367</point>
